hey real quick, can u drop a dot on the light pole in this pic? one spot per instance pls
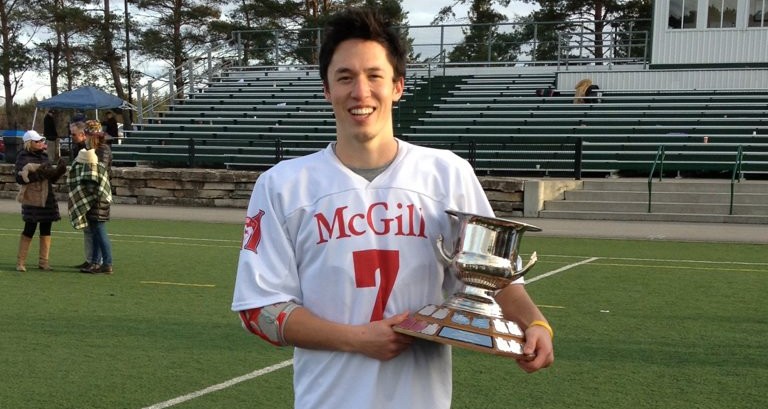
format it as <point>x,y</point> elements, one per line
<point>128,61</point>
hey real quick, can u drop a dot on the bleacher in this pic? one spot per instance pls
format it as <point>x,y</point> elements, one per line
<point>253,119</point>
<point>248,119</point>
<point>511,131</point>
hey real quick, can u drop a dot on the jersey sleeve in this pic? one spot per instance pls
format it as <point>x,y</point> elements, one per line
<point>266,269</point>
<point>475,199</point>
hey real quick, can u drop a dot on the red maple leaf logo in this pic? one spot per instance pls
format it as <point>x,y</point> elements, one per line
<point>252,232</point>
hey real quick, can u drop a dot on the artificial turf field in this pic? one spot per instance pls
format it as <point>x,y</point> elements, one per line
<point>638,324</point>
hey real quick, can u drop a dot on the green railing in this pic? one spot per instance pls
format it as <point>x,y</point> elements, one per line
<point>659,159</point>
<point>501,44</point>
<point>736,175</point>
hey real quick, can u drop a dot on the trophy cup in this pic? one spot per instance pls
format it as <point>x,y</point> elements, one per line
<point>485,259</point>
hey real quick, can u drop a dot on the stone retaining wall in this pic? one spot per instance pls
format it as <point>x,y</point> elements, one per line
<point>228,188</point>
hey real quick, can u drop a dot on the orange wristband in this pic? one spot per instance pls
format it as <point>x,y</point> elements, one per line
<point>544,324</point>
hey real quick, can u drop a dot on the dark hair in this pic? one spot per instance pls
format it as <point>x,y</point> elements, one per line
<point>364,24</point>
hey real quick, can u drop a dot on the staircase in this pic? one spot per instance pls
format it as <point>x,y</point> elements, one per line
<point>673,200</point>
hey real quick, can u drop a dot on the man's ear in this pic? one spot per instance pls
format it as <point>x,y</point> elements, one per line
<point>326,91</point>
<point>399,87</point>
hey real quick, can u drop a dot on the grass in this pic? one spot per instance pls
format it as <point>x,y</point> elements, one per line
<point>645,324</point>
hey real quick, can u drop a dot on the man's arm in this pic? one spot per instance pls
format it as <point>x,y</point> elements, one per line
<point>518,306</point>
<point>291,324</point>
<point>375,339</point>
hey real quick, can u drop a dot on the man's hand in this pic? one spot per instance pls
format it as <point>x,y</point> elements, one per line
<point>538,344</point>
<point>377,340</point>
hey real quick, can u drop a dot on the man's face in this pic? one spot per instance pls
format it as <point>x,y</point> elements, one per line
<point>77,135</point>
<point>361,87</point>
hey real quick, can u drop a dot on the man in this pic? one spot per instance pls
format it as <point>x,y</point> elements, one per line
<point>110,126</point>
<point>51,136</point>
<point>339,245</point>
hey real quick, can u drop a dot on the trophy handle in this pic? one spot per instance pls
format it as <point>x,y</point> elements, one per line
<point>531,262</point>
<point>441,251</point>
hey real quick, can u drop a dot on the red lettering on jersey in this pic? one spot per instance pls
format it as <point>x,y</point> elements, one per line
<point>252,232</point>
<point>376,219</point>
<point>338,220</point>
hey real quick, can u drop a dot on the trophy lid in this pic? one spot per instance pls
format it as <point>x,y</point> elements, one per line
<point>492,221</point>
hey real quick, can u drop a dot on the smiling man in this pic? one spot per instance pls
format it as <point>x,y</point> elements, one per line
<point>362,85</point>
<point>339,245</point>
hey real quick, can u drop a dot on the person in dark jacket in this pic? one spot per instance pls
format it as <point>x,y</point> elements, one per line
<point>77,138</point>
<point>90,190</point>
<point>36,176</point>
<point>51,135</point>
<point>110,125</point>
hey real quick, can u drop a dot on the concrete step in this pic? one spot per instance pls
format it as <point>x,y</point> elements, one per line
<point>659,197</point>
<point>678,200</point>
<point>699,207</point>
<point>655,217</point>
<point>677,185</point>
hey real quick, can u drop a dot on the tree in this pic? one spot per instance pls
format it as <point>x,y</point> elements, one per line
<point>176,32</point>
<point>14,56</point>
<point>289,31</point>
<point>254,24</point>
<point>601,22</point>
<point>106,52</point>
<point>482,39</point>
<point>62,21</point>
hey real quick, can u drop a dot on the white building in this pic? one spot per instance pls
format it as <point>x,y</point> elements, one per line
<point>696,44</point>
<point>710,33</point>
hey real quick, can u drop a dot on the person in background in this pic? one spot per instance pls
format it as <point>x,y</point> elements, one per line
<point>586,92</point>
<point>78,141</point>
<point>76,138</point>
<point>110,126</point>
<point>338,246</point>
<point>90,197</point>
<point>51,136</point>
<point>581,90</point>
<point>36,176</point>
<point>96,139</point>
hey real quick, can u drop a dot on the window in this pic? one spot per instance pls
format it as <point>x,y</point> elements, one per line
<point>757,15</point>
<point>682,13</point>
<point>721,13</point>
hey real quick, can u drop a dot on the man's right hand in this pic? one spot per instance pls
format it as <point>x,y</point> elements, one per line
<point>380,341</point>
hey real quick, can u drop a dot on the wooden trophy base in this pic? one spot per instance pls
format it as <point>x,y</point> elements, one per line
<point>465,329</point>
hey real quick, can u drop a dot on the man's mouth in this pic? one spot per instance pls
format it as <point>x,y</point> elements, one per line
<point>361,111</point>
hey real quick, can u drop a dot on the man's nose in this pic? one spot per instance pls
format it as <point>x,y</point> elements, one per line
<point>361,87</point>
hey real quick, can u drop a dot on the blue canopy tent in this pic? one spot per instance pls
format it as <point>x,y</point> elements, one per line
<point>83,98</point>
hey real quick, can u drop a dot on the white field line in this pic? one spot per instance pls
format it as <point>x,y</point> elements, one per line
<point>283,364</point>
<point>223,385</point>
<point>560,270</point>
<point>137,236</point>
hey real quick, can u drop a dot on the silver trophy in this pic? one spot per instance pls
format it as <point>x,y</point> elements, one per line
<point>485,257</point>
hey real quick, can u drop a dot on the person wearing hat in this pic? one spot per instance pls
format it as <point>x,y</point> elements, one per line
<point>90,196</point>
<point>96,139</point>
<point>36,176</point>
<point>78,142</point>
<point>51,135</point>
<point>99,250</point>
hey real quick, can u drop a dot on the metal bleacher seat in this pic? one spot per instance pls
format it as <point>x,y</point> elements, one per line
<point>247,118</point>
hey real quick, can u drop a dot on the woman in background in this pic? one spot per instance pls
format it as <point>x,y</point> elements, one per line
<point>36,177</point>
<point>91,196</point>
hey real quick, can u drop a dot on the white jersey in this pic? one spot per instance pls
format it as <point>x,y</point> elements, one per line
<point>353,251</point>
